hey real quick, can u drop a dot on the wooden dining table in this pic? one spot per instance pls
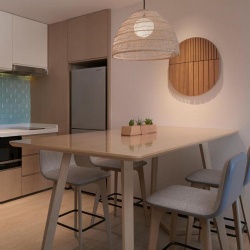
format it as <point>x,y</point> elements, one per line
<point>128,149</point>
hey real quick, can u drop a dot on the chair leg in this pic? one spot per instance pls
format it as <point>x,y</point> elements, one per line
<point>156,215</point>
<point>246,210</point>
<point>75,208</point>
<point>115,191</point>
<point>237,222</point>
<point>79,216</point>
<point>140,172</point>
<point>95,207</point>
<point>205,234</point>
<point>103,191</point>
<point>174,217</point>
<point>222,234</point>
<point>190,223</point>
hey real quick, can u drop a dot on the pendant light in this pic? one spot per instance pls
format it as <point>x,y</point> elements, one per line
<point>145,36</point>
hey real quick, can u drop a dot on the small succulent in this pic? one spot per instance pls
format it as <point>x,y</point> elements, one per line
<point>148,121</point>
<point>131,122</point>
<point>139,122</point>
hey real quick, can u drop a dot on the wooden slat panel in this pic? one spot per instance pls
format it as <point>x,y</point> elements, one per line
<point>196,78</point>
<point>200,74</point>
<point>206,52</point>
<point>186,51</point>
<point>206,75</point>
<point>196,59</point>
<point>191,50</point>
<point>186,78</point>
<point>211,73</point>
<point>201,77</point>
<point>191,79</point>
<point>178,77</point>
<point>202,49</point>
<point>216,70</point>
<point>181,79</point>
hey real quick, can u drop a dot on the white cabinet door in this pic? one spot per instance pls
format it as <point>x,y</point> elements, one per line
<point>5,41</point>
<point>30,42</point>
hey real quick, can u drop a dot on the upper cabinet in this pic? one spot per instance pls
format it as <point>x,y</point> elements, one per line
<point>30,42</point>
<point>88,36</point>
<point>5,41</point>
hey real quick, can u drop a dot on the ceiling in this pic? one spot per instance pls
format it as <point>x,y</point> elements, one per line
<point>52,11</point>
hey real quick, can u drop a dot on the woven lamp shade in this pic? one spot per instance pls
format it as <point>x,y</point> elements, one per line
<point>145,36</point>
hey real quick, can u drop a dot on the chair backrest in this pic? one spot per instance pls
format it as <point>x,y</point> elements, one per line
<point>50,160</point>
<point>231,185</point>
<point>247,177</point>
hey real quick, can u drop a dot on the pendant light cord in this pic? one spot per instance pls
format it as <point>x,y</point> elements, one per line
<point>144,4</point>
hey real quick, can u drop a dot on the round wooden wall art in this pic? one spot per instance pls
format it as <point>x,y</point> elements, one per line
<point>196,70</point>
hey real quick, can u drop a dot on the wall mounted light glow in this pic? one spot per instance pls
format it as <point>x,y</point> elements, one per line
<point>145,36</point>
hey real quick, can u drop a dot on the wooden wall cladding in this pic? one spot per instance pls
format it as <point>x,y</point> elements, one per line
<point>197,68</point>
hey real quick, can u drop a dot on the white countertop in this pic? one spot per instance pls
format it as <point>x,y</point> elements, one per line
<point>22,129</point>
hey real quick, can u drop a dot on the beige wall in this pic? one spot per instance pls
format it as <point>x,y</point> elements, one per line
<point>141,89</point>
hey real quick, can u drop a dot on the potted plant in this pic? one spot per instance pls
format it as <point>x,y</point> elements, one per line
<point>148,127</point>
<point>131,129</point>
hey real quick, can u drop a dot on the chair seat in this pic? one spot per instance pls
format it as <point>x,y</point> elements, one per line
<point>79,176</point>
<point>177,198</point>
<point>209,177</point>
<point>112,164</point>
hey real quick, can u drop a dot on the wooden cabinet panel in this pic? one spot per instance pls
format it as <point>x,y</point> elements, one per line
<point>10,184</point>
<point>30,165</point>
<point>34,183</point>
<point>88,36</point>
<point>6,41</point>
<point>30,42</point>
<point>30,151</point>
<point>50,94</point>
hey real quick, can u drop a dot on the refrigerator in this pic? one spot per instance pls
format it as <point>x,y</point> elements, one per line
<point>88,100</point>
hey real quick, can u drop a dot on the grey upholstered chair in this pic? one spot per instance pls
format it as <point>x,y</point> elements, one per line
<point>77,177</point>
<point>211,178</point>
<point>115,165</point>
<point>199,203</point>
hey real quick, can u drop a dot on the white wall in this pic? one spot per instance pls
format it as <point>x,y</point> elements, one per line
<point>141,89</point>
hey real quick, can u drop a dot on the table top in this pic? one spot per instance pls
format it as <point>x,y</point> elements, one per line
<point>111,144</point>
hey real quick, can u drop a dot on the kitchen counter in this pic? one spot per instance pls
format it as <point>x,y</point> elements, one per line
<point>27,129</point>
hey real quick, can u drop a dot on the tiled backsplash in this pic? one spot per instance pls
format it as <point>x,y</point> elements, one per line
<point>14,99</point>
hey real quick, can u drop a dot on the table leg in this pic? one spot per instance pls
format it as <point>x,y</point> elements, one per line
<point>127,206</point>
<point>55,204</point>
<point>154,173</point>
<point>205,156</point>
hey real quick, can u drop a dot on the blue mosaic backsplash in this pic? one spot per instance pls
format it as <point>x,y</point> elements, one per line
<point>14,99</point>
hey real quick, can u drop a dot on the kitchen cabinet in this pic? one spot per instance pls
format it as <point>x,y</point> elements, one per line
<point>50,94</point>
<point>88,36</point>
<point>5,41</point>
<point>84,39</point>
<point>32,179</point>
<point>10,184</point>
<point>30,39</point>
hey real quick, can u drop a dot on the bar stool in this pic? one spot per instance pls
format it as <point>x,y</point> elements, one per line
<point>77,177</point>
<point>199,203</point>
<point>115,165</point>
<point>211,178</point>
